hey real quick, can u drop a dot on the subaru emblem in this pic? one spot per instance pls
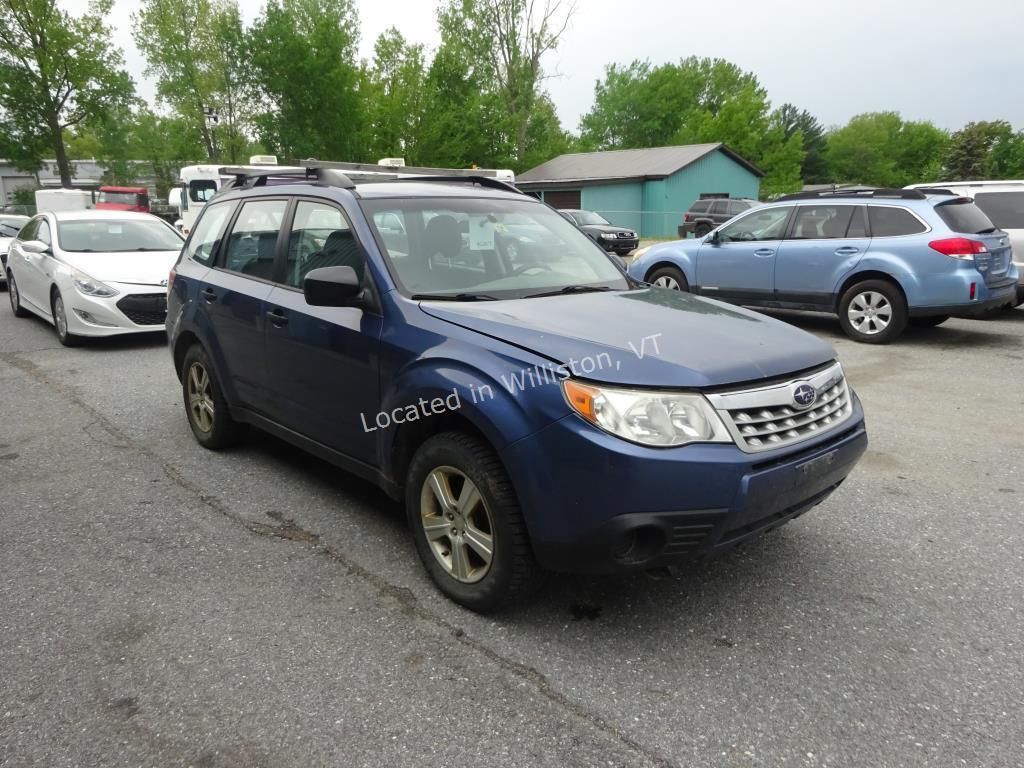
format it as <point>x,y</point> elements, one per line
<point>804,395</point>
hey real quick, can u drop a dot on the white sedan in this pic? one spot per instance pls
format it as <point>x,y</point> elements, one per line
<point>93,273</point>
<point>9,228</point>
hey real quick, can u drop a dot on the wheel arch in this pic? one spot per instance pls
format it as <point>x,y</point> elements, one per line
<point>663,262</point>
<point>862,276</point>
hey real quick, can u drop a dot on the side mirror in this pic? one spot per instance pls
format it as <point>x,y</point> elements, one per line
<point>332,287</point>
<point>35,246</point>
<point>174,197</point>
<point>713,238</point>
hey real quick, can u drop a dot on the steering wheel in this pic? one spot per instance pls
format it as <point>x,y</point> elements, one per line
<point>523,268</point>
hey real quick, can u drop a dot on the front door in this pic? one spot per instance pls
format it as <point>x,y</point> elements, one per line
<point>323,362</point>
<point>740,266</point>
<point>824,244</point>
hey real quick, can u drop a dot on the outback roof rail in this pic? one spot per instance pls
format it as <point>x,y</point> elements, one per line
<point>899,194</point>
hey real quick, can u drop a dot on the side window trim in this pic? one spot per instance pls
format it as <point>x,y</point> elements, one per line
<point>922,222</point>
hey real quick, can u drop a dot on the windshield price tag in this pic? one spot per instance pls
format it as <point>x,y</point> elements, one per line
<point>481,234</point>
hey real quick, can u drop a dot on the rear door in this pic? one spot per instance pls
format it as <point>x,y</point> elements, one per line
<point>824,243</point>
<point>323,362</point>
<point>233,295</point>
<point>741,265</point>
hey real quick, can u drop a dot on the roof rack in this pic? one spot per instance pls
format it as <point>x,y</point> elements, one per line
<point>899,194</point>
<point>369,172</point>
<point>257,177</point>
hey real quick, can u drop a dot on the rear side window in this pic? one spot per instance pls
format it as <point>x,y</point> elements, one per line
<point>208,232</point>
<point>252,244</point>
<point>701,206</point>
<point>718,206</point>
<point>887,221</point>
<point>1005,209</point>
<point>964,216</point>
<point>821,222</point>
<point>735,206</point>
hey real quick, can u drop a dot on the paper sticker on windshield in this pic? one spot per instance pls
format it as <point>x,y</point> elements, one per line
<point>113,229</point>
<point>481,234</point>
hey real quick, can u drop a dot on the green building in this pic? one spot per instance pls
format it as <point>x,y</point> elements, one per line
<point>645,189</point>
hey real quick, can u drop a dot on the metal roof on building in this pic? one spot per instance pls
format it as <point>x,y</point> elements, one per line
<point>625,164</point>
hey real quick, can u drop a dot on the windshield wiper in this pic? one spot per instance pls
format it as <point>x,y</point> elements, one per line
<point>570,289</point>
<point>453,297</point>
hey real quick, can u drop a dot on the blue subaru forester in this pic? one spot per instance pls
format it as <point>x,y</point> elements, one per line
<point>466,348</point>
<point>880,260</point>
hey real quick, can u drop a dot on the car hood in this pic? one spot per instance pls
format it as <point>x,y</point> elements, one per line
<point>135,267</point>
<point>648,337</point>
<point>604,228</point>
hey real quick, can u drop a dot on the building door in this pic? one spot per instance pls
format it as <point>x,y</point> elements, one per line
<point>563,198</point>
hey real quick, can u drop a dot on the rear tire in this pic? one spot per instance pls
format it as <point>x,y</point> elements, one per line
<point>928,322</point>
<point>15,296</point>
<point>873,312</point>
<point>479,514</point>
<point>60,321</point>
<point>701,229</point>
<point>207,410</point>
<point>668,277</point>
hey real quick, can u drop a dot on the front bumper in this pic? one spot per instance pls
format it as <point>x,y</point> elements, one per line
<point>620,245</point>
<point>135,309</point>
<point>597,504</point>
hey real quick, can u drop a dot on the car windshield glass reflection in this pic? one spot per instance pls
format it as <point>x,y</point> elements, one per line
<point>106,236</point>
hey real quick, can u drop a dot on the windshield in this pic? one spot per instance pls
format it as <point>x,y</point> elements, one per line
<point>121,198</point>
<point>962,215</point>
<point>1006,209</point>
<point>8,230</point>
<point>487,248</point>
<point>586,218</point>
<point>105,235</point>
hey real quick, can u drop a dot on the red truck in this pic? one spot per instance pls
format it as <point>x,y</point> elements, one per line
<point>123,199</point>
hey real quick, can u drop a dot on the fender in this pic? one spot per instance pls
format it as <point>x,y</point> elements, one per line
<point>674,254</point>
<point>896,267</point>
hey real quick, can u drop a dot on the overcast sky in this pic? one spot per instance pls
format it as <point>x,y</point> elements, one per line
<point>948,61</point>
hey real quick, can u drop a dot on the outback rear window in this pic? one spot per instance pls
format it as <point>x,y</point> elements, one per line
<point>887,221</point>
<point>1005,209</point>
<point>964,216</point>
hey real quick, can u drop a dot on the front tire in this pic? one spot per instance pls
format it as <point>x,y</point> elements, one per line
<point>14,295</point>
<point>668,277</point>
<point>873,312</point>
<point>466,523</point>
<point>208,412</point>
<point>60,321</point>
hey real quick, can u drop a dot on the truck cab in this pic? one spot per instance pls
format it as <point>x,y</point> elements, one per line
<point>122,199</point>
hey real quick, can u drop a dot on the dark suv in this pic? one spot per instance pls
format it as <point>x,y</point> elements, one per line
<point>704,215</point>
<point>535,409</point>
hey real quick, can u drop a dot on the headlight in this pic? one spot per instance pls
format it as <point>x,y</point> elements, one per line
<point>663,419</point>
<point>608,236</point>
<point>86,285</point>
<point>638,254</point>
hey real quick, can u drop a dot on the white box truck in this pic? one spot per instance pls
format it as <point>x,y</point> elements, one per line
<point>63,200</point>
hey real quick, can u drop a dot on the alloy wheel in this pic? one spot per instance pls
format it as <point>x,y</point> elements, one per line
<point>59,318</point>
<point>457,523</point>
<point>12,293</point>
<point>200,397</point>
<point>667,281</point>
<point>870,313</point>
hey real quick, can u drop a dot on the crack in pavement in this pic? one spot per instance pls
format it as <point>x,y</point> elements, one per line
<point>402,598</point>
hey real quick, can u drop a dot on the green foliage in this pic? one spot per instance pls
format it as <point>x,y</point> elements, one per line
<point>24,196</point>
<point>56,71</point>
<point>394,91</point>
<point>882,149</point>
<point>303,57</point>
<point>985,150</point>
<point>792,120</point>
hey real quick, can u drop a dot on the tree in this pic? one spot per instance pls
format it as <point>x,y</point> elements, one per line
<point>981,150</point>
<point>882,149</point>
<point>304,66</point>
<point>791,119</point>
<point>56,72</point>
<point>395,98</point>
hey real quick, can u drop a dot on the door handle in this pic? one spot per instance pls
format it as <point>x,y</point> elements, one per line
<point>764,253</point>
<point>277,318</point>
<point>847,250</point>
<point>209,294</point>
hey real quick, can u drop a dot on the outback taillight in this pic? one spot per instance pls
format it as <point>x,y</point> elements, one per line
<point>958,247</point>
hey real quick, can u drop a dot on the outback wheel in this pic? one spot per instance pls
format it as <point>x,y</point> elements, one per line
<point>15,296</point>
<point>873,312</point>
<point>928,322</point>
<point>466,523</point>
<point>60,321</point>
<point>207,410</point>
<point>669,277</point>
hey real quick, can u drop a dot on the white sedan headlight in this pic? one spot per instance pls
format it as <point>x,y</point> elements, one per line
<point>664,419</point>
<point>89,287</point>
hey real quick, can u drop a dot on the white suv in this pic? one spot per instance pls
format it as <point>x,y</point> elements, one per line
<point>1003,202</point>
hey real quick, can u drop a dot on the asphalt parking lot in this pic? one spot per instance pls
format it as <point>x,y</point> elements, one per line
<point>161,605</point>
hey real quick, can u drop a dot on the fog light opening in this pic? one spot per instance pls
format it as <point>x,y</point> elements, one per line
<point>638,545</point>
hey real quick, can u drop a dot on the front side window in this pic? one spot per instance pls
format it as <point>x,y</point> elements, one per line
<point>43,233</point>
<point>201,190</point>
<point>321,237</point>
<point>887,221</point>
<point>29,230</point>
<point>117,236</point>
<point>208,232</point>
<point>1005,209</point>
<point>487,248</point>
<point>764,224</point>
<point>821,222</point>
<point>252,244</point>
